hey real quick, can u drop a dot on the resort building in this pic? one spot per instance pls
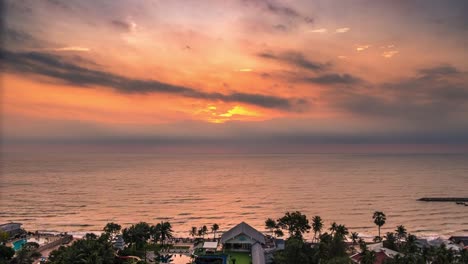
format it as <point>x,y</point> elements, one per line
<point>242,244</point>
<point>12,229</point>
<point>242,238</point>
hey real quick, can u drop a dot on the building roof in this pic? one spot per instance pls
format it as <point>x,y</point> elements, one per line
<point>459,239</point>
<point>243,228</point>
<point>210,245</point>
<point>11,223</point>
<point>380,257</point>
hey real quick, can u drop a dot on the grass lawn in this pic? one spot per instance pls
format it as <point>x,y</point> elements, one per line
<point>241,258</point>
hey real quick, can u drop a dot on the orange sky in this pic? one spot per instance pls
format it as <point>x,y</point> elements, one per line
<point>322,70</point>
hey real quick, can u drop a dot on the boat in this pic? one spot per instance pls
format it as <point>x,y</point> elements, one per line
<point>460,203</point>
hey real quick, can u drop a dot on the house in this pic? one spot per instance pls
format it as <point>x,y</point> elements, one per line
<point>381,254</point>
<point>241,244</point>
<point>244,238</point>
<point>12,229</point>
<point>241,238</point>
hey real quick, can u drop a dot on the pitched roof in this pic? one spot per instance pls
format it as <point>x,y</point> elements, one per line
<point>380,257</point>
<point>460,239</point>
<point>243,228</point>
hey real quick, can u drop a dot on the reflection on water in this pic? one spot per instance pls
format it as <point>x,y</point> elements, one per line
<point>82,192</point>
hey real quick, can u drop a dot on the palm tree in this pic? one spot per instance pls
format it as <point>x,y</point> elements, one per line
<point>165,231</point>
<point>362,244</point>
<point>193,232</point>
<point>317,225</point>
<point>271,225</point>
<point>368,257</point>
<point>214,229</point>
<point>333,228</point>
<point>354,237</point>
<point>390,241</point>
<point>279,232</point>
<point>202,231</point>
<point>341,231</point>
<point>401,233</point>
<point>379,220</point>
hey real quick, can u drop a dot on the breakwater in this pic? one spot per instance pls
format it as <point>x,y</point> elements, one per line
<point>443,199</point>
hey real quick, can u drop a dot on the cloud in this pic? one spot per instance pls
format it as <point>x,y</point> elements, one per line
<point>123,25</point>
<point>59,68</point>
<point>362,47</point>
<point>334,78</point>
<point>441,70</point>
<point>275,8</point>
<point>15,38</point>
<point>278,8</point>
<point>71,48</point>
<point>342,30</point>
<point>432,96</point>
<point>296,59</point>
<point>319,30</point>
<point>281,27</point>
<point>390,53</point>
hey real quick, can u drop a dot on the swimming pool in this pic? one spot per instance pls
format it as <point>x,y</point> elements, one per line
<point>18,244</point>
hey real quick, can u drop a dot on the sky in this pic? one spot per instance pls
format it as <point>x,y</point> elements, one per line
<point>237,74</point>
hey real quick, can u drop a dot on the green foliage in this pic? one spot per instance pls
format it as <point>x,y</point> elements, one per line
<point>6,253</point>
<point>295,223</point>
<point>390,241</point>
<point>271,225</point>
<point>296,251</point>
<point>203,231</point>
<point>137,235</point>
<point>193,231</point>
<point>333,245</point>
<point>214,229</point>
<point>4,236</point>
<point>368,257</point>
<point>317,225</point>
<point>338,260</point>
<point>26,255</point>
<point>161,232</point>
<point>112,229</point>
<point>90,249</point>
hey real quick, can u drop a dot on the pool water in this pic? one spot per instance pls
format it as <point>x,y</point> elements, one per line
<point>179,259</point>
<point>18,244</point>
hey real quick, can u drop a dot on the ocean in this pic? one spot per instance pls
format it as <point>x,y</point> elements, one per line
<point>81,192</point>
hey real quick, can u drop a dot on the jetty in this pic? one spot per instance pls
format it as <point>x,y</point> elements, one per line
<point>443,199</point>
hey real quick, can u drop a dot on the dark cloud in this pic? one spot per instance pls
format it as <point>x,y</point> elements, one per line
<point>288,15</point>
<point>281,27</point>
<point>17,37</point>
<point>334,78</point>
<point>431,96</point>
<point>296,59</point>
<point>440,70</point>
<point>275,8</point>
<point>59,68</point>
<point>121,25</point>
<point>59,3</point>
